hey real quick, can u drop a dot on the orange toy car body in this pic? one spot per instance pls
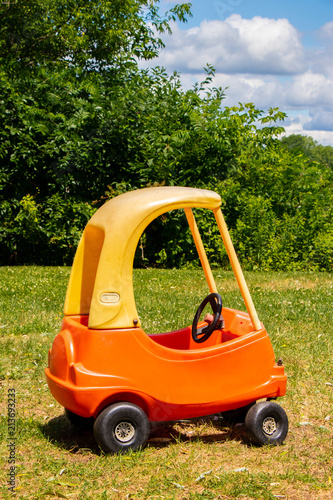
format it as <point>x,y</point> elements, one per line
<point>103,365</point>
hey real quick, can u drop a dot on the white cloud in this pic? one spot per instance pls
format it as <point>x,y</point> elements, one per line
<point>262,61</point>
<point>236,45</point>
<point>273,46</point>
<point>310,89</point>
<point>321,59</point>
<point>299,125</point>
<point>263,92</point>
<point>326,32</point>
<point>321,119</point>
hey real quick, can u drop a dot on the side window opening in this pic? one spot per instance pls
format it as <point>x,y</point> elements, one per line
<point>168,243</point>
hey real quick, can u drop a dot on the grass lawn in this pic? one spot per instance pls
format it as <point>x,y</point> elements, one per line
<point>201,459</point>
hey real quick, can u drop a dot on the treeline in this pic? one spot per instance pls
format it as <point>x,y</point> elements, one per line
<point>80,123</point>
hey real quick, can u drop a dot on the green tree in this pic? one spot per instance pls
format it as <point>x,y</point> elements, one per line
<point>86,34</point>
<point>81,123</point>
<point>297,143</point>
<point>67,73</point>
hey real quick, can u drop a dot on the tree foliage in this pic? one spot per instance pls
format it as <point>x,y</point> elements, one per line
<point>297,144</point>
<point>87,34</point>
<point>80,123</point>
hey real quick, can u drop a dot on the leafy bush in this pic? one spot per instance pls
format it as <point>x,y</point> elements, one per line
<point>81,123</point>
<point>47,233</point>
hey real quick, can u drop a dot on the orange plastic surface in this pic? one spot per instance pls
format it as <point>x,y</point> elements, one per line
<point>102,355</point>
<point>168,375</point>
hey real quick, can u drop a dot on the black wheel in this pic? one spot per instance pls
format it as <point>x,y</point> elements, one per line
<point>267,423</point>
<point>121,427</point>
<point>215,301</point>
<point>77,420</point>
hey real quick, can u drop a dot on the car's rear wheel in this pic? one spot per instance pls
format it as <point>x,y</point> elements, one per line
<point>121,427</point>
<point>266,423</point>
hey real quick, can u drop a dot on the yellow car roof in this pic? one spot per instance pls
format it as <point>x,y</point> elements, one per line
<point>101,282</point>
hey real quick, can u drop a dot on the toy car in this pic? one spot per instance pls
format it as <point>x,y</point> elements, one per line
<point>102,364</point>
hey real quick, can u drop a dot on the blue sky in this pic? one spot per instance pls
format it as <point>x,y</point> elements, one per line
<point>271,53</point>
<point>305,15</point>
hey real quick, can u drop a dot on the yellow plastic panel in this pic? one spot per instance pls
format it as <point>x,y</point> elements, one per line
<point>101,283</point>
<point>82,278</point>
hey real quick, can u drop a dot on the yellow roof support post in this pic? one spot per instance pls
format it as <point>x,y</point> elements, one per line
<point>237,269</point>
<point>201,250</point>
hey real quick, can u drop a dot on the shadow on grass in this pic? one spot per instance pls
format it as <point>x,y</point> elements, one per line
<point>207,430</point>
<point>77,439</point>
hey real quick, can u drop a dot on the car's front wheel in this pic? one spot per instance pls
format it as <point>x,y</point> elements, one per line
<point>266,423</point>
<point>121,427</point>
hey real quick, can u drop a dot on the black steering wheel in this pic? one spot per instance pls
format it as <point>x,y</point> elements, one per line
<point>215,301</point>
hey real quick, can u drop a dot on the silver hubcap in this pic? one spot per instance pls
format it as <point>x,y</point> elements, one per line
<point>269,426</point>
<point>124,432</point>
